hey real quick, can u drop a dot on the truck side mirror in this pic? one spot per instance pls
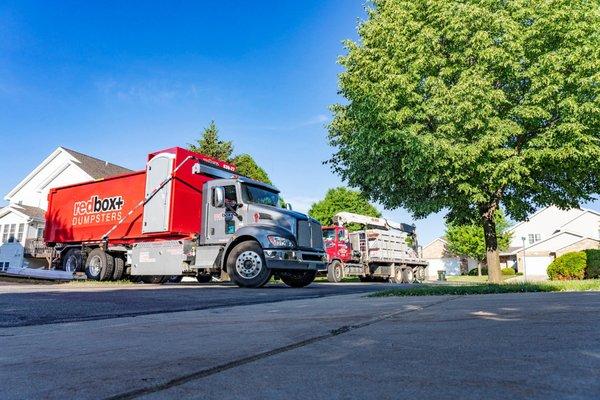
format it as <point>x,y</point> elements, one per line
<point>218,199</point>
<point>288,206</point>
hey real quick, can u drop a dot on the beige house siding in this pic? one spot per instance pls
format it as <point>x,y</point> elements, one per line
<point>583,244</point>
<point>436,249</point>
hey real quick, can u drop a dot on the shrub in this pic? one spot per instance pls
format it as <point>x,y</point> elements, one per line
<point>568,266</point>
<point>473,272</point>
<point>592,267</point>
<point>508,271</point>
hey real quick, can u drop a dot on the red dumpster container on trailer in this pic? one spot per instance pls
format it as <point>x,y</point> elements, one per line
<point>85,212</point>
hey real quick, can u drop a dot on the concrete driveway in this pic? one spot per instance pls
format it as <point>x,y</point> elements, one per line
<point>542,346</point>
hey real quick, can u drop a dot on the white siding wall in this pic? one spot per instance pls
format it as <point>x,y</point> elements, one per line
<point>587,224</point>
<point>545,223</point>
<point>9,219</point>
<point>557,242</point>
<point>58,172</point>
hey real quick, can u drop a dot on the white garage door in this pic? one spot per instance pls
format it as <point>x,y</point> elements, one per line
<point>450,265</point>
<point>537,266</point>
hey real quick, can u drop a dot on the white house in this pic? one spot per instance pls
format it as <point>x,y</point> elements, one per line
<point>547,234</point>
<point>22,220</point>
<point>440,259</point>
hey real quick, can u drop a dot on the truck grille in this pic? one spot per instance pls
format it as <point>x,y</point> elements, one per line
<point>310,235</point>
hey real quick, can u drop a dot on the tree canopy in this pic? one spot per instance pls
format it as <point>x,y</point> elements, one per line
<point>246,166</point>
<point>469,241</point>
<point>209,144</point>
<point>341,199</point>
<point>466,106</point>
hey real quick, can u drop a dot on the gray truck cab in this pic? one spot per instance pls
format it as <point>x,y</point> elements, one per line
<point>253,237</point>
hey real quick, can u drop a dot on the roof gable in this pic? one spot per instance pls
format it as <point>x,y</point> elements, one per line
<point>95,167</point>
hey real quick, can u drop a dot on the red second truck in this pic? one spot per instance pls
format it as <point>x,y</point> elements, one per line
<point>184,214</point>
<point>384,249</point>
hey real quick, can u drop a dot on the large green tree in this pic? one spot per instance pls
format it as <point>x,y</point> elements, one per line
<point>211,145</point>
<point>468,105</point>
<point>342,199</point>
<point>468,240</point>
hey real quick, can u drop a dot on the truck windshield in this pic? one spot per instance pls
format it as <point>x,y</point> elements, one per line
<point>328,234</point>
<point>260,195</point>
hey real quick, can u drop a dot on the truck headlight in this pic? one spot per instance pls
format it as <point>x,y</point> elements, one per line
<point>278,241</point>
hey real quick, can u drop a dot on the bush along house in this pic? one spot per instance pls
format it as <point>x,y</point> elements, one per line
<point>22,220</point>
<point>547,234</point>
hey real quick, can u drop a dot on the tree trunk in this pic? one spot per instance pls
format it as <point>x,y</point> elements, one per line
<point>478,268</point>
<point>491,246</point>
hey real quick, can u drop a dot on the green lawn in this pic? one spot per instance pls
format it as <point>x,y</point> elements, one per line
<point>473,279</point>
<point>485,288</point>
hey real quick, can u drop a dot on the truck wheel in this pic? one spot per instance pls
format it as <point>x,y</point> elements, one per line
<point>246,265</point>
<point>72,261</point>
<point>420,275</point>
<point>397,277</point>
<point>99,265</point>
<point>119,268</point>
<point>407,275</point>
<point>335,272</point>
<point>297,279</point>
<point>203,278</point>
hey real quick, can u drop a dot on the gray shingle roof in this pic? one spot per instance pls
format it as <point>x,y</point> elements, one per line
<point>95,167</point>
<point>33,212</point>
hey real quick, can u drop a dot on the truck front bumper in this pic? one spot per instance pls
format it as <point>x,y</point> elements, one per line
<point>296,259</point>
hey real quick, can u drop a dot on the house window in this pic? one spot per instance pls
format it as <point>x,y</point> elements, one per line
<point>20,232</point>
<point>534,237</point>
<point>39,233</point>
<point>11,233</point>
<point>4,229</point>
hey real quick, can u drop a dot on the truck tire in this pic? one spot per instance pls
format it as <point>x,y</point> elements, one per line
<point>72,260</point>
<point>204,278</point>
<point>407,275</point>
<point>335,272</point>
<point>297,279</point>
<point>420,274</point>
<point>246,265</point>
<point>99,265</point>
<point>119,268</point>
<point>398,276</point>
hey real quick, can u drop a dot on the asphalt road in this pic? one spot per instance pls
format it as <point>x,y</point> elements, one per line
<point>27,304</point>
<point>517,346</point>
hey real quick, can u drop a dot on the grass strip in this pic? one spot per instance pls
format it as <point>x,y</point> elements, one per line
<point>490,288</point>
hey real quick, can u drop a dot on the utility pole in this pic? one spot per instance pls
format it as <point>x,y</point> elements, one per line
<point>524,266</point>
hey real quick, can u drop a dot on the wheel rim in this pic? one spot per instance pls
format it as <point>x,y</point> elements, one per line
<point>71,264</point>
<point>249,265</point>
<point>337,271</point>
<point>95,265</point>
<point>420,274</point>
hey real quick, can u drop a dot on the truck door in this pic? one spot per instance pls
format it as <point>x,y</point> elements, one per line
<point>221,222</point>
<point>158,209</point>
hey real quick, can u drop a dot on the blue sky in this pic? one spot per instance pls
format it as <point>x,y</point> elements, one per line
<point>118,81</point>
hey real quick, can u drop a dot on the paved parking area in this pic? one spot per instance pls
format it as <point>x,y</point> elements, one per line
<point>33,304</point>
<point>534,345</point>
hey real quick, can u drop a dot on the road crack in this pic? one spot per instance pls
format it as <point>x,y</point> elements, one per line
<point>203,373</point>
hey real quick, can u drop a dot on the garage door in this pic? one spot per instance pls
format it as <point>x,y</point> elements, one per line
<point>450,265</point>
<point>537,266</point>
